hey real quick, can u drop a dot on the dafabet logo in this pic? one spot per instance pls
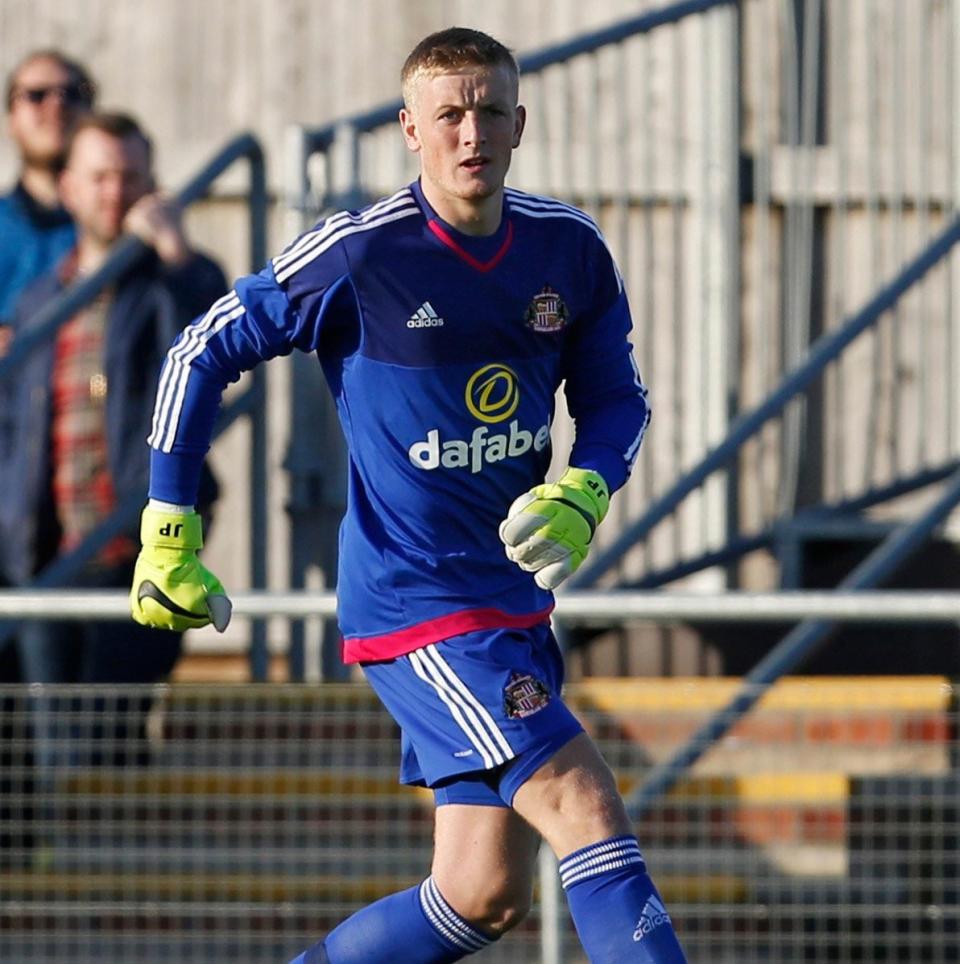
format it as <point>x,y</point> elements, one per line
<point>492,395</point>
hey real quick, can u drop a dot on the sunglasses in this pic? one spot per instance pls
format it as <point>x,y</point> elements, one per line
<point>72,95</point>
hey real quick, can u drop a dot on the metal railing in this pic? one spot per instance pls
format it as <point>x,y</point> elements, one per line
<point>589,608</point>
<point>794,648</point>
<point>126,254</point>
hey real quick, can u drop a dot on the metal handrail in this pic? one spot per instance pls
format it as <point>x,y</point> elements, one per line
<point>125,255</point>
<point>795,647</point>
<point>823,351</point>
<point>819,516</point>
<point>573,608</point>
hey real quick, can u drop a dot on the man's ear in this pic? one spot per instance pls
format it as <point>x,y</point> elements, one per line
<point>411,133</point>
<point>520,121</point>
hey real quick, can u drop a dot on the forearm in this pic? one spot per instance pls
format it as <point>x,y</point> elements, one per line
<point>606,397</point>
<point>608,438</point>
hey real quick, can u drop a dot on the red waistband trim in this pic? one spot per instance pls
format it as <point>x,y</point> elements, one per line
<point>373,648</point>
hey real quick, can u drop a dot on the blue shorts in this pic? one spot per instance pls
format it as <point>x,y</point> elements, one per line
<point>479,713</point>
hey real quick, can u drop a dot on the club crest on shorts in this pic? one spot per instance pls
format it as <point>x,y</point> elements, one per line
<point>547,312</point>
<point>524,695</point>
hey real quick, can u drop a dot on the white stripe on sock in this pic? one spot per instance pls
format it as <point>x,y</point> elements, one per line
<point>447,922</point>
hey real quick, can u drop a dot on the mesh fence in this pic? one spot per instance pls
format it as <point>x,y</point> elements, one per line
<point>239,823</point>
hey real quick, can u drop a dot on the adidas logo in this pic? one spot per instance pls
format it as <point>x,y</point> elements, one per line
<point>654,914</point>
<point>425,317</point>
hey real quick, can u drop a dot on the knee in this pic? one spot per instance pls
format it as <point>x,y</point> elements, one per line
<point>573,801</point>
<point>499,911</point>
<point>587,800</point>
<point>494,908</point>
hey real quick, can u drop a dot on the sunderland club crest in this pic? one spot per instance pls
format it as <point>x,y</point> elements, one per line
<point>524,695</point>
<point>547,312</point>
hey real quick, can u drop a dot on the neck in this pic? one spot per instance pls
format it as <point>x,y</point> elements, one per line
<point>90,254</point>
<point>477,218</point>
<point>41,184</point>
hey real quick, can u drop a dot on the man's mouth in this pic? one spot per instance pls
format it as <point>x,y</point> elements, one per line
<point>475,163</point>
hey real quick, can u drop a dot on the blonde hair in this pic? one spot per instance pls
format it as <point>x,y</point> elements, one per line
<point>451,49</point>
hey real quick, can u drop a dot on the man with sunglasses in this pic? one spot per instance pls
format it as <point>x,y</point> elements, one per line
<point>46,94</point>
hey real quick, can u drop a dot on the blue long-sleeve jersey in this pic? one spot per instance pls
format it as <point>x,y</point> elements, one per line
<point>444,353</point>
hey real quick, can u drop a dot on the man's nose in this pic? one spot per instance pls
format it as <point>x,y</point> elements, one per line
<point>113,187</point>
<point>55,101</point>
<point>473,130</point>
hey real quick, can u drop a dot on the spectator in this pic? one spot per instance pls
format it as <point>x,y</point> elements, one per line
<point>46,94</point>
<point>82,407</point>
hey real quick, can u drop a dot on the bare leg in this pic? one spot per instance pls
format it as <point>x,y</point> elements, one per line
<point>483,864</point>
<point>572,800</point>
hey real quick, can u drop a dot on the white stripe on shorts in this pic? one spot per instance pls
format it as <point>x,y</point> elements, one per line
<point>467,711</point>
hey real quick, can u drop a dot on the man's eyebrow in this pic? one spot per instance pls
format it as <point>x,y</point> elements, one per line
<point>491,101</point>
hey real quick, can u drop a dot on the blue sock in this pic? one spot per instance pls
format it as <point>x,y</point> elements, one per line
<point>416,926</point>
<point>617,911</point>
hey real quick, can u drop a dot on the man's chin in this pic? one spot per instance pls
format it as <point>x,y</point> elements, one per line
<point>479,189</point>
<point>107,235</point>
<point>46,159</point>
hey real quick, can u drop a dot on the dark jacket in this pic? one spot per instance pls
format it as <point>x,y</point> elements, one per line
<point>150,305</point>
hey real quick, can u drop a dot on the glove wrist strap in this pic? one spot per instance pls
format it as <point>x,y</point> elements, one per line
<point>592,485</point>
<point>169,530</point>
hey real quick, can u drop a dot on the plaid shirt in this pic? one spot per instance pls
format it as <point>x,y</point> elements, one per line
<point>82,488</point>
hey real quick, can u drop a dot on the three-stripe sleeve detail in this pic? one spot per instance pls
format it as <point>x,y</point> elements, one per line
<point>173,381</point>
<point>630,456</point>
<point>175,377</point>
<point>535,206</point>
<point>339,226</point>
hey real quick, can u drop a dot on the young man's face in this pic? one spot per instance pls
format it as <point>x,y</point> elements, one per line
<point>105,175</point>
<point>46,102</point>
<point>464,126</point>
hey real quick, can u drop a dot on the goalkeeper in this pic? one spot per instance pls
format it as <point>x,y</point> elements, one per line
<point>445,318</point>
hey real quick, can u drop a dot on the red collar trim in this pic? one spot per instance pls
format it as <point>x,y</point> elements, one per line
<point>459,250</point>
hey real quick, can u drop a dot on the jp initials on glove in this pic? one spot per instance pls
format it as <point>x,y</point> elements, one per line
<point>548,529</point>
<point>171,589</point>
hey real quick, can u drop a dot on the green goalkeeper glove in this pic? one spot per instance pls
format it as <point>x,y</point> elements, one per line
<point>171,589</point>
<point>548,529</point>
